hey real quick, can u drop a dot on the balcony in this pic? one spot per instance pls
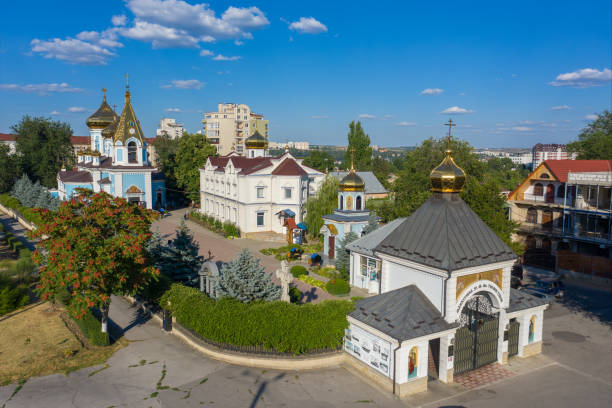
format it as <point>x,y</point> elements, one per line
<point>538,229</point>
<point>590,236</point>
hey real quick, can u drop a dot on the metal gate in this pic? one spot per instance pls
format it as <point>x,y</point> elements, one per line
<point>476,347</point>
<point>513,336</point>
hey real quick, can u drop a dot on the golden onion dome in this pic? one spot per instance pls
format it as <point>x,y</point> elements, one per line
<point>447,177</point>
<point>109,131</point>
<point>256,141</point>
<point>352,182</point>
<point>104,116</point>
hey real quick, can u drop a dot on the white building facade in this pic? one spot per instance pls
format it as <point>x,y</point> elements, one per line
<point>253,193</point>
<point>170,128</point>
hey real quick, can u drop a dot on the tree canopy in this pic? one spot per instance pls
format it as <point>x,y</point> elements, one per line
<point>43,146</point>
<point>322,203</point>
<point>595,141</point>
<point>192,153</point>
<point>246,280</point>
<point>320,160</point>
<point>93,246</point>
<point>9,168</point>
<point>360,142</point>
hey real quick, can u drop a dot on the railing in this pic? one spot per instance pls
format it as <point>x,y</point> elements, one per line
<point>540,229</point>
<point>599,237</point>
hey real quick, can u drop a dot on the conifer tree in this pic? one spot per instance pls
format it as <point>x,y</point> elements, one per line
<point>156,250</point>
<point>181,258</point>
<point>372,224</point>
<point>246,280</point>
<point>343,258</point>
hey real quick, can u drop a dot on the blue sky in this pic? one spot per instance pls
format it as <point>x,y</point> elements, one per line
<point>511,77</point>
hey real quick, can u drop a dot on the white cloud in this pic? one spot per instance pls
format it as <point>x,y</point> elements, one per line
<point>76,109</point>
<point>591,117</point>
<point>77,51</point>
<point>54,113</point>
<point>366,116</point>
<point>238,42</point>
<point>173,110</point>
<point>198,20</point>
<point>308,25</point>
<point>120,20</point>
<point>406,124</point>
<point>521,128</point>
<point>220,57</point>
<point>456,110</point>
<point>184,84</point>
<point>432,91</point>
<point>527,122</point>
<point>560,107</point>
<point>320,116</point>
<point>206,53</point>
<point>160,36</point>
<point>42,89</point>
<point>387,117</point>
<point>583,78</point>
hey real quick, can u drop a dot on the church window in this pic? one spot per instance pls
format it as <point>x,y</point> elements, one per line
<point>358,203</point>
<point>260,219</point>
<point>132,153</point>
<point>341,202</point>
<point>260,192</point>
<point>538,189</point>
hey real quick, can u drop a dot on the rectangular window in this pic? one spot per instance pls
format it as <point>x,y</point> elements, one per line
<point>260,192</point>
<point>287,192</point>
<point>260,219</point>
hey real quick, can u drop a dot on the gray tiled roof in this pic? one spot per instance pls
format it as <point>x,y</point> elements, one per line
<point>445,233</point>
<point>366,244</point>
<point>521,301</point>
<point>403,314</point>
<point>372,185</point>
<point>346,218</point>
<point>72,176</point>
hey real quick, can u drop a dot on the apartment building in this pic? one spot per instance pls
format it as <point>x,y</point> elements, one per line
<point>170,128</point>
<point>292,145</point>
<point>231,124</point>
<point>564,212</point>
<point>542,152</point>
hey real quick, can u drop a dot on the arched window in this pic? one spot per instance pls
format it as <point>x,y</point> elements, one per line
<point>538,189</point>
<point>358,203</point>
<point>544,176</point>
<point>561,191</point>
<point>532,215</point>
<point>550,193</point>
<point>413,361</point>
<point>341,202</point>
<point>132,149</point>
<point>532,328</point>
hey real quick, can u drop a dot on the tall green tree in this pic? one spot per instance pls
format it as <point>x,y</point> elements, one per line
<point>342,262</point>
<point>193,150</point>
<point>382,169</point>
<point>246,280</point>
<point>182,262</point>
<point>43,146</point>
<point>322,203</point>
<point>506,173</point>
<point>320,160</point>
<point>9,168</point>
<point>360,142</point>
<point>595,141</point>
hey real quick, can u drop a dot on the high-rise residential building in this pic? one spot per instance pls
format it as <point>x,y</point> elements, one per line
<point>231,125</point>
<point>542,152</point>
<point>170,128</point>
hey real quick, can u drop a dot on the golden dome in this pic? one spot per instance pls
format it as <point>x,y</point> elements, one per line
<point>256,141</point>
<point>109,131</point>
<point>447,177</point>
<point>103,117</point>
<point>352,182</point>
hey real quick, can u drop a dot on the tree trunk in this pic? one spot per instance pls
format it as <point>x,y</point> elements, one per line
<point>104,311</point>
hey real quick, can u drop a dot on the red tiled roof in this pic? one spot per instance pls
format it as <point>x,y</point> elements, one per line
<point>560,168</point>
<point>80,140</point>
<point>289,167</point>
<point>5,137</point>
<point>247,165</point>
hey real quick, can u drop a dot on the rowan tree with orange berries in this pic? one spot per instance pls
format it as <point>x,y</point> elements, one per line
<point>94,247</point>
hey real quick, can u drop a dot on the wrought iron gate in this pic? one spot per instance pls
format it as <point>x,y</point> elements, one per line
<point>477,346</point>
<point>513,335</point>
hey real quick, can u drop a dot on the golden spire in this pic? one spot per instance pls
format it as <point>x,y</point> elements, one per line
<point>447,177</point>
<point>352,182</point>
<point>352,149</point>
<point>104,91</point>
<point>127,88</point>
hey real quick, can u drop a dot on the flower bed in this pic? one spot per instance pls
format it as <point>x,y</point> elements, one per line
<point>227,229</point>
<point>312,281</point>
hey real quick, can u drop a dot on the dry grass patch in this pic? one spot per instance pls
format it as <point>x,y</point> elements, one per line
<point>35,341</point>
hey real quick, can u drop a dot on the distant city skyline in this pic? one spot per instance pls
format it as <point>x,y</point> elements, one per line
<point>509,77</point>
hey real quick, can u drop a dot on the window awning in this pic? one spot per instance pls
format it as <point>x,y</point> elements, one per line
<point>301,225</point>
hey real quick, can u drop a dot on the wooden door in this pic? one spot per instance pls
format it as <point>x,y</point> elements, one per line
<point>547,217</point>
<point>332,247</point>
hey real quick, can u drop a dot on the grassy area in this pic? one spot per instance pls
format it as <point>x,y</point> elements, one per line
<point>35,341</point>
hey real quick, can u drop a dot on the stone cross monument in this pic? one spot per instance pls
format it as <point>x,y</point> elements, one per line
<point>285,277</point>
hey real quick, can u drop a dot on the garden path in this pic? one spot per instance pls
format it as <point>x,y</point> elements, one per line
<point>225,250</point>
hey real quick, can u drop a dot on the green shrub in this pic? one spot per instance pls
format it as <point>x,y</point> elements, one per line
<point>91,328</point>
<point>279,326</point>
<point>312,281</point>
<point>218,225</point>
<point>12,297</point>
<point>298,270</point>
<point>156,288</point>
<point>294,295</point>
<point>27,213</point>
<point>230,230</point>
<point>329,272</point>
<point>337,287</point>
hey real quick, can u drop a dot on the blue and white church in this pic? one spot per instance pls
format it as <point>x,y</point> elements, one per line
<point>116,161</point>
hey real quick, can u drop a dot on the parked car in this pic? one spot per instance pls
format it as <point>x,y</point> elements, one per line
<point>530,291</point>
<point>552,287</point>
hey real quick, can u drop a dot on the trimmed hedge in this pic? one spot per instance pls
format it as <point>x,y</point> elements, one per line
<point>12,297</point>
<point>26,212</point>
<point>154,291</point>
<point>227,228</point>
<point>278,326</point>
<point>337,287</point>
<point>13,242</point>
<point>298,270</point>
<point>89,325</point>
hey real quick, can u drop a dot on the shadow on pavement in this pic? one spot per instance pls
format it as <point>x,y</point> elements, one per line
<point>262,389</point>
<point>309,296</point>
<point>593,303</point>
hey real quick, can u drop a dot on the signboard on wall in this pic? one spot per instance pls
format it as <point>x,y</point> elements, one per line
<point>368,348</point>
<point>463,282</point>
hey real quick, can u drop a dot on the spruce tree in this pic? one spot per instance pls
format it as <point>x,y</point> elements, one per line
<point>246,280</point>
<point>343,259</point>
<point>372,224</point>
<point>182,259</point>
<point>156,250</point>
<point>20,187</point>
